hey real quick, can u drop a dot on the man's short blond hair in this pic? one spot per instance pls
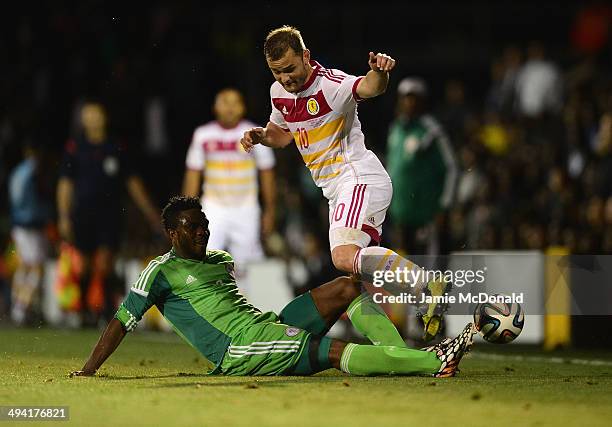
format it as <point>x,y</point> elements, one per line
<point>280,40</point>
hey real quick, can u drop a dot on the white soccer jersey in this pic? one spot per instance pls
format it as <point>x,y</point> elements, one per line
<point>230,173</point>
<point>323,120</point>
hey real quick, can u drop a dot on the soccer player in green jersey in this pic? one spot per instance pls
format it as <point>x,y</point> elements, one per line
<point>196,292</point>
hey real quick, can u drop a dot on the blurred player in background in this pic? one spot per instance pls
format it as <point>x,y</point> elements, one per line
<point>94,169</point>
<point>317,108</point>
<point>230,187</point>
<point>422,165</point>
<point>30,204</point>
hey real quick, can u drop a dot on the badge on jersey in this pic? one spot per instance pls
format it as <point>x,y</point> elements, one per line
<point>411,144</point>
<point>312,106</point>
<point>291,332</point>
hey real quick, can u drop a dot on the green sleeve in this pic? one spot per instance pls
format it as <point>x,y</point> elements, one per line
<point>138,301</point>
<point>218,257</point>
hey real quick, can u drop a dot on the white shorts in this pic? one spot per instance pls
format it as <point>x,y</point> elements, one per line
<point>236,230</point>
<point>31,245</point>
<point>357,213</point>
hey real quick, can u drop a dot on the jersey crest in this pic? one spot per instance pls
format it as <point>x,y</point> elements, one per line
<point>312,106</point>
<point>291,331</point>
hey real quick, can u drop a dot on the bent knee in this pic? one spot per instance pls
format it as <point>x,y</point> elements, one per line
<point>343,257</point>
<point>346,288</point>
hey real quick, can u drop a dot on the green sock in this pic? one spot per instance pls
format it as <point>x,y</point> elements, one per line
<point>302,312</point>
<point>387,360</point>
<point>372,322</point>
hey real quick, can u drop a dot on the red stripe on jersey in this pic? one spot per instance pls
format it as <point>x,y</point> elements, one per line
<point>348,215</point>
<point>355,225</point>
<point>296,110</point>
<point>355,205</point>
<point>333,79</point>
<point>316,66</point>
<point>373,233</point>
<point>351,217</point>
<point>211,146</point>
<point>356,262</point>
<point>336,75</point>
<point>328,74</point>
<point>355,94</point>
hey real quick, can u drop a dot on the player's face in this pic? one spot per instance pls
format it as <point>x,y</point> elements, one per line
<point>93,117</point>
<point>191,235</point>
<point>291,71</point>
<point>408,105</point>
<point>229,108</point>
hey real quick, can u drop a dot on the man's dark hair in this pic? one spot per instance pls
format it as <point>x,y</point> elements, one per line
<point>176,205</point>
<point>280,40</point>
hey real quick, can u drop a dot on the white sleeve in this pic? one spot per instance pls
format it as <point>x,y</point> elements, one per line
<point>264,157</point>
<point>341,91</point>
<point>195,154</point>
<point>277,118</point>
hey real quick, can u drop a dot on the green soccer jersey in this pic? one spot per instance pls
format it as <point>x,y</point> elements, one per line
<point>423,170</point>
<point>199,299</point>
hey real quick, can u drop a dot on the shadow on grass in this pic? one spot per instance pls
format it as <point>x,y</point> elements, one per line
<point>152,377</point>
<point>253,382</point>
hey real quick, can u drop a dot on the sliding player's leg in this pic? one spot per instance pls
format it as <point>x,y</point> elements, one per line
<point>318,310</point>
<point>440,361</point>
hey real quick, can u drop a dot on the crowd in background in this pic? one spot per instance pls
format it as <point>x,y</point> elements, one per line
<point>530,122</point>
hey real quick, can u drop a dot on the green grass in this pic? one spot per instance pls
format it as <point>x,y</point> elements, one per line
<point>155,379</point>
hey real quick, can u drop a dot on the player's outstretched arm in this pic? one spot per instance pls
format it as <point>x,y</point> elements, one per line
<point>271,136</point>
<point>108,342</point>
<point>375,82</point>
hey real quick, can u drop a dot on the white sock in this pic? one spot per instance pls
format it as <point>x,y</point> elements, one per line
<point>374,259</point>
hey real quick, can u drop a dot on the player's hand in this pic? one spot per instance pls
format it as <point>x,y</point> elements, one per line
<point>82,374</point>
<point>252,137</point>
<point>381,62</point>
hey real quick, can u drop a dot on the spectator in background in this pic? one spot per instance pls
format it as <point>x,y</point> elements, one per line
<point>504,73</point>
<point>230,190</point>
<point>94,168</point>
<point>422,167</point>
<point>455,114</point>
<point>471,176</point>
<point>30,207</point>
<point>538,85</point>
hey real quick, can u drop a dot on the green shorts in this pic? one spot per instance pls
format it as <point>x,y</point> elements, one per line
<point>273,348</point>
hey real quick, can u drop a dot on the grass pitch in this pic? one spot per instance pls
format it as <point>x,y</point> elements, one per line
<point>157,380</point>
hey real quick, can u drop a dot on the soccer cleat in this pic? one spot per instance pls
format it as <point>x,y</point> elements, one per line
<point>435,347</point>
<point>433,311</point>
<point>450,352</point>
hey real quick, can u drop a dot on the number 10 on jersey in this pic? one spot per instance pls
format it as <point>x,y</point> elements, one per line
<point>303,138</point>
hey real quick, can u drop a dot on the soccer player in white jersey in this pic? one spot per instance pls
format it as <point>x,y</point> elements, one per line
<point>230,182</point>
<point>317,108</point>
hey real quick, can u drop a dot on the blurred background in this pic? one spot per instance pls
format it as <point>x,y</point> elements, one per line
<point>523,91</point>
